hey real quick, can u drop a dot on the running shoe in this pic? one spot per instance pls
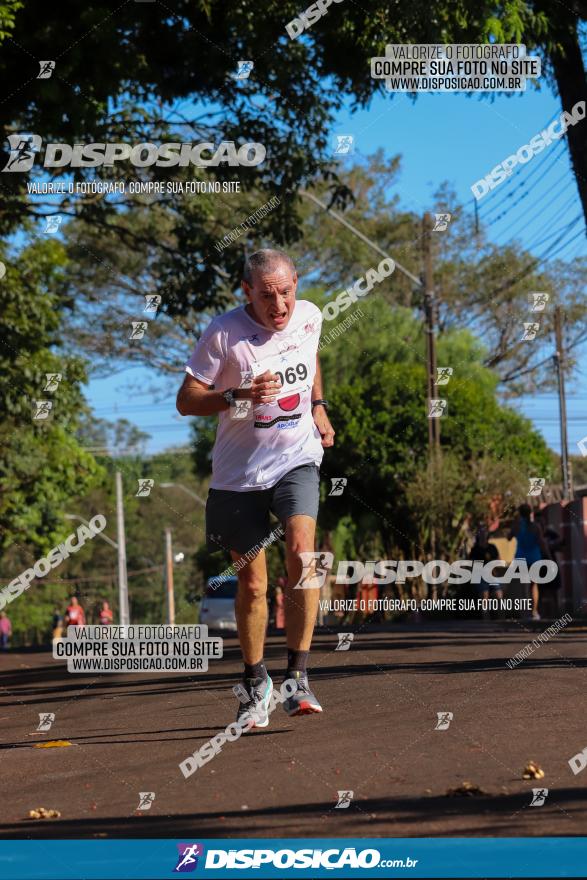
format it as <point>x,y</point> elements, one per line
<point>258,691</point>
<point>302,701</point>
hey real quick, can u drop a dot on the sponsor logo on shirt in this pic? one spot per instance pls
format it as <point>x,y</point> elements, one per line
<point>289,403</point>
<point>279,421</point>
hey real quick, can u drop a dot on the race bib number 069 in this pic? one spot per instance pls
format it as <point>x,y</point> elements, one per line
<point>291,369</point>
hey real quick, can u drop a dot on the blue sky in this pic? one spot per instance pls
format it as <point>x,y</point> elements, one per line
<point>441,137</point>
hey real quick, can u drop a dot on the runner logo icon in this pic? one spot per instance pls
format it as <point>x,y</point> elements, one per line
<point>444,719</point>
<point>344,800</point>
<point>344,641</point>
<point>338,485</point>
<point>539,796</point>
<point>188,854</point>
<point>46,719</point>
<point>22,151</point>
<point>315,567</point>
<point>146,799</point>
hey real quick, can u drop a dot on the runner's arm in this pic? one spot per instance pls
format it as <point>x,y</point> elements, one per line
<point>317,386</point>
<point>195,398</point>
<point>319,413</point>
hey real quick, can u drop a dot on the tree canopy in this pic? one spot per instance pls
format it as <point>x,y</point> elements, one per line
<point>478,285</point>
<point>42,463</point>
<point>376,383</point>
<point>174,66</point>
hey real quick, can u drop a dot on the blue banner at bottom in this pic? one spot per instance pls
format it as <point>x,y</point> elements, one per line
<point>297,857</point>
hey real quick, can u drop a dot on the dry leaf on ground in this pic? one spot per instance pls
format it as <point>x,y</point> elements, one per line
<point>42,813</point>
<point>533,771</point>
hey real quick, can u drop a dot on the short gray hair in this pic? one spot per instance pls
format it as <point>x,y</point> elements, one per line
<point>264,260</point>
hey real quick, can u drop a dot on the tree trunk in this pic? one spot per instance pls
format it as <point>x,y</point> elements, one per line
<point>571,81</point>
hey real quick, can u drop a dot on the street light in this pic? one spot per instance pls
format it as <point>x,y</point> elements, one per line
<point>185,489</point>
<point>119,547</point>
<point>169,557</point>
<point>85,522</point>
<point>355,231</point>
<point>169,591</point>
<point>122,575</point>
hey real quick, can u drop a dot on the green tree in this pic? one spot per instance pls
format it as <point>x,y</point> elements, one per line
<point>146,518</point>
<point>42,463</point>
<point>376,382</point>
<point>479,286</point>
<point>288,102</point>
<point>8,10</point>
<point>92,574</point>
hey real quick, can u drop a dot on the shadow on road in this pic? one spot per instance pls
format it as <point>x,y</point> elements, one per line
<point>47,684</point>
<point>366,818</point>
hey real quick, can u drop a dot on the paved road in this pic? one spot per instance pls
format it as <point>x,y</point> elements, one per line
<point>376,738</point>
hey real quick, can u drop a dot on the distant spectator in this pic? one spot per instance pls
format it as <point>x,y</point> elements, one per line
<point>74,616</point>
<point>555,543</point>
<point>106,615</point>
<point>553,540</point>
<point>5,630</point>
<point>484,551</point>
<point>531,546</point>
<point>57,624</point>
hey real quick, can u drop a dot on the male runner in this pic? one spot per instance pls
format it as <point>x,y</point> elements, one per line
<point>257,367</point>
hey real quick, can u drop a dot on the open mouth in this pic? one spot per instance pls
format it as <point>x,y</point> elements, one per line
<point>278,317</point>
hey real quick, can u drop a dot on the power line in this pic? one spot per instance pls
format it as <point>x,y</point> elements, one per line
<point>562,210</point>
<point>549,158</point>
<point>565,244</point>
<point>543,158</point>
<point>528,208</point>
<point>533,263</point>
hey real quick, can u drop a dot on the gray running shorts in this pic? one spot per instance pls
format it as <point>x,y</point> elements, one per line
<point>240,520</point>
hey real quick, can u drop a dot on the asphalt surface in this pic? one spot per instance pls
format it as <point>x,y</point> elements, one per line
<point>376,738</point>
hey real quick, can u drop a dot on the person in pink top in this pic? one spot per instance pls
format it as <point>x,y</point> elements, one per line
<point>106,615</point>
<point>5,630</point>
<point>75,613</point>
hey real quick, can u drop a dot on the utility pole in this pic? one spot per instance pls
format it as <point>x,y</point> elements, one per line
<point>122,579</point>
<point>429,322</point>
<point>559,363</point>
<point>476,209</point>
<point>430,319</point>
<point>169,578</point>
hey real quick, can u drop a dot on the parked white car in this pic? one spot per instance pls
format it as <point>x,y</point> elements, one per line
<point>217,608</point>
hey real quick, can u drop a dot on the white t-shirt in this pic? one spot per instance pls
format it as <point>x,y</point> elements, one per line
<point>256,451</point>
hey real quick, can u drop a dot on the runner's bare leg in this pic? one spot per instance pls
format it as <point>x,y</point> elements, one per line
<point>301,606</point>
<point>251,606</point>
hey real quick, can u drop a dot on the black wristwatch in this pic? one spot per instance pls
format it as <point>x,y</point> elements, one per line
<point>229,396</point>
<point>323,403</point>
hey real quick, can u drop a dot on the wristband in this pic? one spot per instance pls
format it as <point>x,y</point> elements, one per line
<point>323,403</point>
